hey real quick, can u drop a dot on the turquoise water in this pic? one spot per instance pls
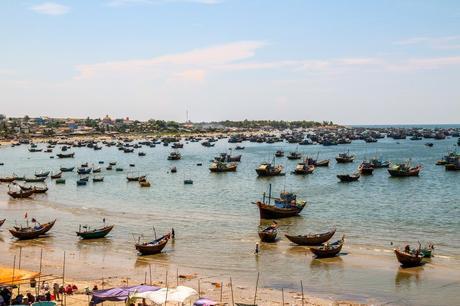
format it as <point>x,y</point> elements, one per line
<point>216,224</point>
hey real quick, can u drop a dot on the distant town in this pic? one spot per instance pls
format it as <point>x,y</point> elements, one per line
<point>14,127</point>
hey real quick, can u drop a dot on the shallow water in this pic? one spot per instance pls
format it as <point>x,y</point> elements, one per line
<point>216,224</point>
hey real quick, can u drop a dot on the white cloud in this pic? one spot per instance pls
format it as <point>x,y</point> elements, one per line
<point>440,43</point>
<point>51,8</point>
<point>117,3</point>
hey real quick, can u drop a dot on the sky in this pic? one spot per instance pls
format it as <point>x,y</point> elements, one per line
<point>350,62</point>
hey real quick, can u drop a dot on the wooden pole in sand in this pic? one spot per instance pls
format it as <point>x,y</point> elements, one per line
<point>64,298</point>
<point>257,284</point>
<point>282,295</point>
<point>37,287</point>
<point>19,266</point>
<point>145,278</point>
<point>301,287</point>
<point>150,272</point>
<point>177,277</point>
<point>231,288</point>
<point>221,285</point>
<point>14,267</point>
<point>199,289</point>
<point>166,295</point>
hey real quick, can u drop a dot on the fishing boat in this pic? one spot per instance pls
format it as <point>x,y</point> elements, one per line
<point>311,239</point>
<point>24,233</point>
<point>239,148</point>
<point>64,169</point>
<point>173,169</point>
<point>303,168</point>
<point>327,250</point>
<point>138,178</point>
<point>268,234</point>
<point>144,183</point>
<point>33,150</point>
<point>174,156</point>
<point>378,163</point>
<point>279,153</point>
<point>177,145</point>
<point>86,233</point>
<point>109,167</point>
<point>269,169</point>
<point>84,170</point>
<point>81,182</point>
<point>97,170</point>
<point>453,165</point>
<point>35,179</point>
<point>112,163</point>
<point>42,174</point>
<point>141,153</point>
<point>7,179</point>
<point>322,163</point>
<point>343,158</point>
<point>153,247</point>
<point>408,257</point>
<point>429,144</point>
<point>427,251</point>
<point>404,170</point>
<point>222,167</point>
<point>37,189</point>
<point>287,205</point>
<point>366,168</point>
<point>348,177</point>
<point>63,155</point>
<point>119,169</point>
<point>60,181</point>
<point>97,179</point>
<point>188,182</point>
<point>20,194</point>
<point>57,175</point>
<point>294,155</point>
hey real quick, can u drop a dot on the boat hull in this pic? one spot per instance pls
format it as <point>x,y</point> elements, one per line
<point>95,234</point>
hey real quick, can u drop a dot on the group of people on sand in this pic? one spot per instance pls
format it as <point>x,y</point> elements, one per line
<point>45,293</point>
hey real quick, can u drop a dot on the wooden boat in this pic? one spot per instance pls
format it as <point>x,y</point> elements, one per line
<point>21,194</point>
<point>119,169</point>
<point>109,167</point>
<point>173,170</point>
<point>343,158</point>
<point>35,179</point>
<point>135,178</point>
<point>188,182</point>
<point>366,168</point>
<point>404,170</point>
<point>174,156</point>
<point>377,163</point>
<point>294,155</point>
<point>328,250</point>
<point>63,155</point>
<point>95,233</point>
<point>141,154</point>
<point>84,170</point>
<point>409,259</point>
<point>303,168</point>
<point>153,247</point>
<point>64,169</point>
<point>24,233</point>
<point>37,189</point>
<point>222,167</point>
<point>57,175</point>
<point>348,177</point>
<point>269,169</point>
<point>42,174</point>
<point>112,163</point>
<point>427,251</point>
<point>311,239</point>
<point>144,183</point>
<point>285,206</point>
<point>279,153</point>
<point>81,182</point>
<point>1,222</point>
<point>60,181</point>
<point>7,179</point>
<point>33,150</point>
<point>97,170</point>
<point>268,234</point>
<point>452,167</point>
<point>239,148</point>
<point>98,179</point>
<point>233,158</point>
<point>322,163</point>
<point>429,144</point>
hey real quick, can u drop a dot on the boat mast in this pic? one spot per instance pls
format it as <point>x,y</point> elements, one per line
<point>269,193</point>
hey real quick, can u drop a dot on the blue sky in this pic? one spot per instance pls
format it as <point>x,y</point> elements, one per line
<point>352,62</point>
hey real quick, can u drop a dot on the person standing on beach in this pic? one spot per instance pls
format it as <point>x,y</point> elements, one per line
<point>56,291</point>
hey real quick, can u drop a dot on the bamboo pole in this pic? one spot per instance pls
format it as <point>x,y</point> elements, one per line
<point>231,288</point>
<point>221,288</point>
<point>150,272</point>
<point>282,295</point>
<point>64,298</point>
<point>19,266</point>
<point>37,287</point>
<point>177,277</point>
<point>301,287</point>
<point>145,278</point>
<point>257,284</point>
<point>14,270</point>
<point>166,295</point>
